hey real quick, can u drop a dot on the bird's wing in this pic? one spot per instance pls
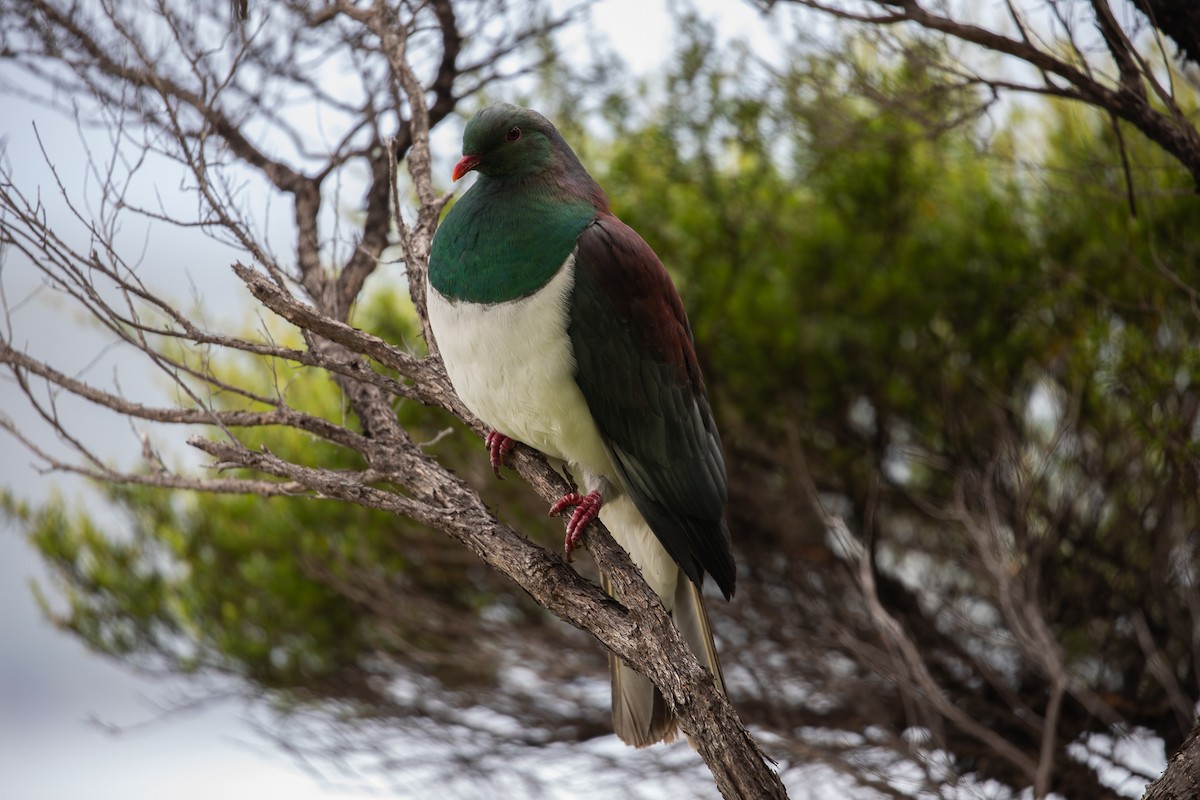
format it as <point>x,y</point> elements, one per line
<point>636,366</point>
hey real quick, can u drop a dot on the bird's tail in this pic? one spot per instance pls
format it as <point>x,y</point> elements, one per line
<point>641,716</point>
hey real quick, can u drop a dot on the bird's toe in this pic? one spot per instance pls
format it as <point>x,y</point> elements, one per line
<point>499,446</point>
<point>587,507</point>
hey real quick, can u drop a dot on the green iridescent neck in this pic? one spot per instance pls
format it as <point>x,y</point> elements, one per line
<point>503,240</point>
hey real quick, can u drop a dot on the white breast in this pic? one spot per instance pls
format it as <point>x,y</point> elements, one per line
<point>512,365</point>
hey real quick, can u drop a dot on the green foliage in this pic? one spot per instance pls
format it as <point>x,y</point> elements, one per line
<point>843,248</point>
<point>837,251</point>
<point>953,338</point>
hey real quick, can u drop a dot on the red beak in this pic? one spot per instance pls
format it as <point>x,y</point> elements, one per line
<point>464,166</point>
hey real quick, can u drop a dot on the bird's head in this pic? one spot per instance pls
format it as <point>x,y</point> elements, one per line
<point>503,140</point>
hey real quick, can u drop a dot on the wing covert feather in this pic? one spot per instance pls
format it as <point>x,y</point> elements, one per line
<point>636,366</point>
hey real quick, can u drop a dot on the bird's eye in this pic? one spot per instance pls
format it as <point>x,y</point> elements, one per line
<point>513,134</point>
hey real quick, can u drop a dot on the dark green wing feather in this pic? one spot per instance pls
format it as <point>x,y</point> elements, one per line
<point>636,366</point>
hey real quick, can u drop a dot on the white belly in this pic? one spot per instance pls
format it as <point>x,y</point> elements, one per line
<point>512,365</point>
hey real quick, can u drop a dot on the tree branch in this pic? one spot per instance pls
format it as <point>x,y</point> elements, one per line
<point>1169,128</point>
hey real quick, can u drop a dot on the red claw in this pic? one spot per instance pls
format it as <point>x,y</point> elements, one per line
<point>587,507</point>
<point>499,446</point>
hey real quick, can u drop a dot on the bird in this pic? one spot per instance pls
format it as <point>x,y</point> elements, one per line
<point>560,328</point>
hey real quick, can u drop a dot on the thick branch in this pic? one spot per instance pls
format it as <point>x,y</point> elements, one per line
<point>1181,779</point>
<point>637,629</point>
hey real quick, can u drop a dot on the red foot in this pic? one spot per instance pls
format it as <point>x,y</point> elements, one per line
<point>586,508</point>
<point>499,446</point>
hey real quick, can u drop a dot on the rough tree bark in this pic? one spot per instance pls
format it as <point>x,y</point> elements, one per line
<point>1181,779</point>
<point>637,628</point>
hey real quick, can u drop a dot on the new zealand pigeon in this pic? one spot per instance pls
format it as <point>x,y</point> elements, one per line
<point>560,328</point>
